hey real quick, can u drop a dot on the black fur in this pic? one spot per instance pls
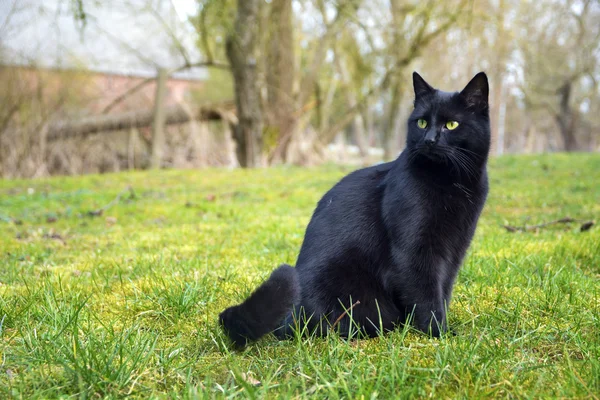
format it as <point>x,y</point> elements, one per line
<point>265,309</point>
<point>391,236</point>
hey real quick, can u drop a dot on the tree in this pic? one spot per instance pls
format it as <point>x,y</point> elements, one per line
<point>241,48</point>
<point>414,28</point>
<point>280,74</point>
<point>561,46</point>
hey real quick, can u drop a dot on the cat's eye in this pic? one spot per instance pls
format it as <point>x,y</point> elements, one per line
<point>451,125</point>
<point>421,123</point>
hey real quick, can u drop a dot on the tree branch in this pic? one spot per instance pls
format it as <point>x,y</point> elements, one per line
<point>137,119</point>
<point>414,51</point>
<point>146,81</point>
<point>566,220</point>
<point>176,42</point>
<point>204,35</point>
<point>331,30</point>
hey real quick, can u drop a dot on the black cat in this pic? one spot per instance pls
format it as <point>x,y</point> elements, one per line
<point>388,239</point>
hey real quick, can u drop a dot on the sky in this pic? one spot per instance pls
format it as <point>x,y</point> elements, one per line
<point>119,36</point>
<point>185,7</point>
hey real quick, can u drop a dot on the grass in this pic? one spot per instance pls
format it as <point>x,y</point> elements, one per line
<point>125,303</point>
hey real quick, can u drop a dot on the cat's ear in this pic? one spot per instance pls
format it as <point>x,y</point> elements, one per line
<point>422,88</point>
<point>476,92</point>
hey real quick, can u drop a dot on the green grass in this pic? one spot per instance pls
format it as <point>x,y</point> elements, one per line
<point>125,304</point>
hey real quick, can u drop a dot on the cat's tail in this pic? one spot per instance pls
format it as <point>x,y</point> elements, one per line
<point>265,309</point>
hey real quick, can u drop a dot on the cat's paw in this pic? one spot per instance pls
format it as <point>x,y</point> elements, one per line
<point>234,327</point>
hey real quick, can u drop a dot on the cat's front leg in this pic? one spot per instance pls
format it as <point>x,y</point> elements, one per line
<point>430,317</point>
<point>422,296</point>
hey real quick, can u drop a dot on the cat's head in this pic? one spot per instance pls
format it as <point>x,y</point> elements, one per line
<point>450,127</point>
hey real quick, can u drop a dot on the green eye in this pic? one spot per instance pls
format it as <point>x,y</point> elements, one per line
<point>451,125</point>
<point>421,123</point>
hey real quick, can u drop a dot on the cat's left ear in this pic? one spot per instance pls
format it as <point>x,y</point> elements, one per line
<point>477,91</point>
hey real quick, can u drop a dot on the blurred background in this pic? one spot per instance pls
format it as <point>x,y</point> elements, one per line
<point>92,86</point>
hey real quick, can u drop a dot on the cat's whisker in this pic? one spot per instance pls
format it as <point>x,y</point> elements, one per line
<point>412,154</point>
<point>470,152</point>
<point>467,164</point>
<point>450,157</point>
<point>458,161</point>
<point>463,168</point>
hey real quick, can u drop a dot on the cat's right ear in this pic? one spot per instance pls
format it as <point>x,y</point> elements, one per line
<point>421,87</point>
<point>477,91</point>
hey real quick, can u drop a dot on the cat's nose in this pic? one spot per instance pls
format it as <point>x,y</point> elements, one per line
<point>430,138</point>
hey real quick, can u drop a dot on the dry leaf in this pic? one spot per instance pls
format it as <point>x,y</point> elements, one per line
<point>586,226</point>
<point>249,378</point>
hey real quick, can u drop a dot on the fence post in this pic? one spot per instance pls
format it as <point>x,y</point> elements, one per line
<point>131,145</point>
<point>158,125</point>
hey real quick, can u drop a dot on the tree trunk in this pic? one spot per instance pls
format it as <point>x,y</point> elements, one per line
<point>358,128</point>
<point>393,126</point>
<point>498,88</point>
<point>135,119</point>
<point>497,79</point>
<point>242,53</point>
<point>158,125</point>
<point>369,126</point>
<point>390,134</point>
<point>565,118</point>
<point>228,131</point>
<point>501,122</point>
<point>280,76</point>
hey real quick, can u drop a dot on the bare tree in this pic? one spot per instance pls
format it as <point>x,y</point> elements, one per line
<point>280,74</point>
<point>242,47</point>
<point>567,47</point>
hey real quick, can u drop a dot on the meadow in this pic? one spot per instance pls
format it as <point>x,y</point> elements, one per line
<point>110,287</point>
